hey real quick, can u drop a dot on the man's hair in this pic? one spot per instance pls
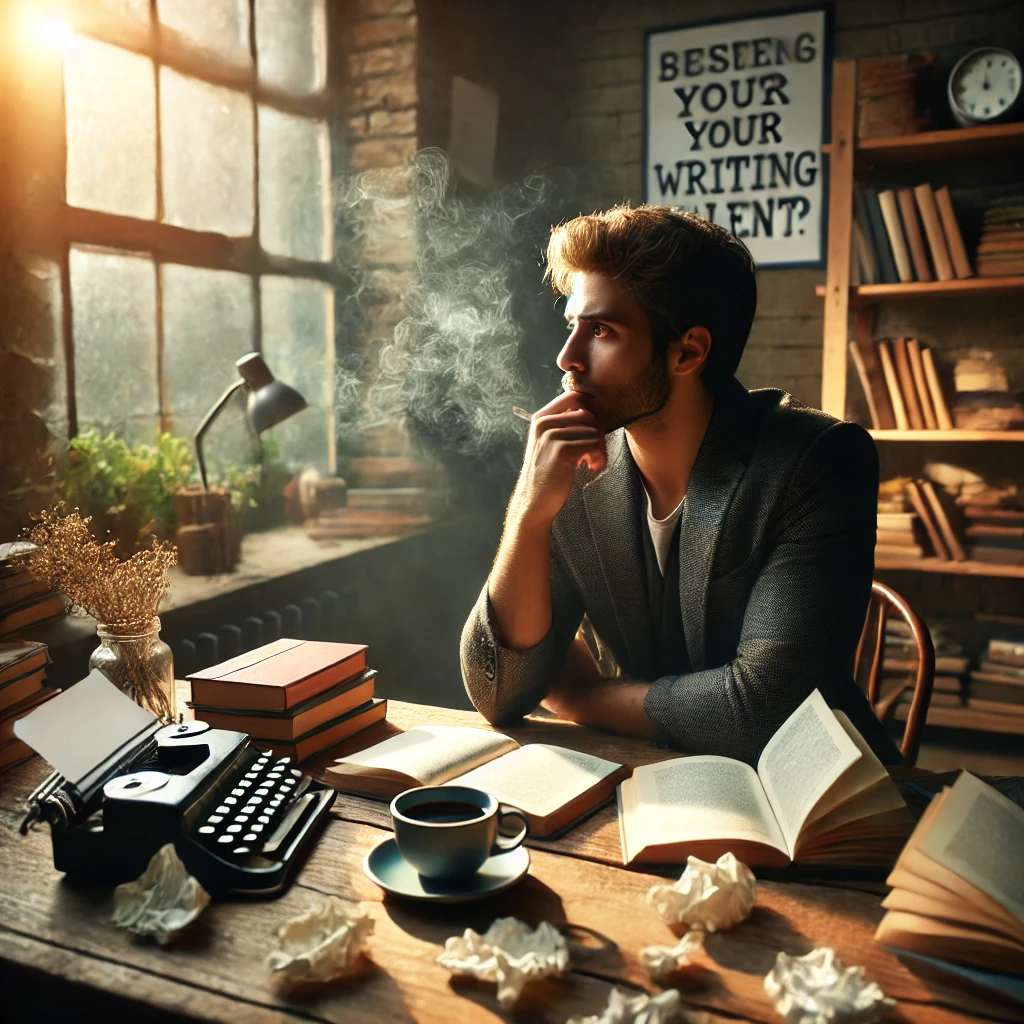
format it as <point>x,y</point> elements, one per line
<point>682,270</point>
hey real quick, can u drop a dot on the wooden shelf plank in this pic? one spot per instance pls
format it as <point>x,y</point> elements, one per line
<point>869,293</point>
<point>947,435</point>
<point>967,718</point>
<point>967,568</point>
<point>951,144</point>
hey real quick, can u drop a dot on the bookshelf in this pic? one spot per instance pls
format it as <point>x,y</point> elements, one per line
<point>868,294</point>
<point>947,435</point>
<point>966,568</point>
<point>968,718</point>
<point>950,144</point>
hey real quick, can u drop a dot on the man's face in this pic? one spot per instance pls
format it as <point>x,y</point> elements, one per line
<point>609,358</point>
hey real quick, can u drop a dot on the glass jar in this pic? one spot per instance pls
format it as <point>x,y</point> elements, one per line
<point>140,664</point>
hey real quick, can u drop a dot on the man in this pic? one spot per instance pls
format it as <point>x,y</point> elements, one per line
<point>720,542</point>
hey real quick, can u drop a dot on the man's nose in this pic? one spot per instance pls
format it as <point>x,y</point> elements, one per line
<point>572,356</point>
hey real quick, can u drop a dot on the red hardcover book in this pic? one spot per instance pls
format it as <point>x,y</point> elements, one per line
<point>277,676</point>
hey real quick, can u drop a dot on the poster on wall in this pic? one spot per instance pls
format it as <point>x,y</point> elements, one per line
<point>735,118</point>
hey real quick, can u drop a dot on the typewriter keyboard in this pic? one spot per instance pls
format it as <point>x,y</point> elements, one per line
<point>254,816</point>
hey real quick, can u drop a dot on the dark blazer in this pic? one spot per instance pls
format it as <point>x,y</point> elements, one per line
<point>776,556</point>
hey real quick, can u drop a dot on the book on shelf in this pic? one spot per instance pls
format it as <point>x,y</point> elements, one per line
<point>989,672</point>
<point>933,232</point>
<point>898,550</point>
<point>880,237</point>
<point>1014,516</point>
<point>924,512</point>
<point>936,500</point>
<point>1008,692</point>
<point>1005,652</point>
<point>996,556</point>
<point>905,378</point>
<point>328,733</point>
<point>954,239</point>
<point>996,707</point>
<point>915,356</point>
<point>894,94</point>
<point>277,676</point>
<point>296,721</point>
<point>553,786</point>
<point>863,255</point>
<point>884,535</point>
<point>912,229</point>
<point>894,231</point>
<point>897,521</point>
<point>872,380</point>
<point>1000,252</point>
<point>819,796</point>
<point>899,409</point>
<point>1007,533</point>
<point>957,891</point>
<point>943,420</point>
<point>943,664</point>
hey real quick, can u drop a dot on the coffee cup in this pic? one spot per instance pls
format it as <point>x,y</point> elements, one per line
<point>448,832</point>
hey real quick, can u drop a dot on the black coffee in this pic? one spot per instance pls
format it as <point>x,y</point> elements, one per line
<point>445,811</point>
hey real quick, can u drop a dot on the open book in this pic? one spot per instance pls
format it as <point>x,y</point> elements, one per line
<point>819,796</point>
<point>552,786</point>
<point>958,886</point>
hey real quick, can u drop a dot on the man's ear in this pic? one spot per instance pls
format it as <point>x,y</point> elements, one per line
<point>688,354</point>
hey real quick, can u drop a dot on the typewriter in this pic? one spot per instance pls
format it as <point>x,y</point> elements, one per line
<point>240,819</point>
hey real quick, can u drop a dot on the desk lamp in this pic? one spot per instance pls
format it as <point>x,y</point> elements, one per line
<point>270,401</point>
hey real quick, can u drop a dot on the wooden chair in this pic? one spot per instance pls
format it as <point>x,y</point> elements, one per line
<point>885,603</point>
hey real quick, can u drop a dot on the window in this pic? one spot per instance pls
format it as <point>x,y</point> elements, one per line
<point>197,215</point>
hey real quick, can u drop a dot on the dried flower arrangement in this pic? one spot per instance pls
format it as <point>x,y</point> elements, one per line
<point>122,596</point>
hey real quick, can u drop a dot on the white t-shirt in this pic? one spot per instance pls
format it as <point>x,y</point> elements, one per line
<point>662,530</point>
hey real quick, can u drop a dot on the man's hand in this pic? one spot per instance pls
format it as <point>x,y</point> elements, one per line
<point>562,435</point>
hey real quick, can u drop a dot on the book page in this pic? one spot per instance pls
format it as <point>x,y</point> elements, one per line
<point>692,798</point>
<point>430,754</point>
<point>801,761</point>
<point>539,778</point>
<point>979,834</point>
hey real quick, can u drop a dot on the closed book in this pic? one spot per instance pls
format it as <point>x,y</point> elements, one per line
<point>947,663</point>
<point>1009,532</point>
<point>279,675</point>
<point>915,240</point>
<point>997,556</point>
<point>933,232</point>
<point>18,657</point>
<point>920,384</point>
<point>10,715</point>
<point>865,255</point>
<point>880,237</point>
<point>942,417</point>
<point>1013,516</point>
<point>1008,693</point>
<point>901,360</point>
<point>899,551</point>
<point>899,410</point>
<point>1007,652</point>
<point>924,511</point>
<point>883,536</point>
<point>897,520</point>
<point>941,516</point>
<point>29,612</point>
<point>19,588</point>
<point>989,672</point>
<point>954,239</point>
<point>328,734</point>
<point>16,690</point>
<point>998,707</point>
<point>296,721</point>
<point>872,379</point>
<point>894,230</point>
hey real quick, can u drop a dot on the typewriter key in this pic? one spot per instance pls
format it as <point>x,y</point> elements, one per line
<point>239,850</point>
<point>238,792</point>
<point>216,819</point>
<point>263,791</point>
<point>234,828</point>
<point>243,784</point>
<point>249,839</point>
<point>241,818</point>
<point>256,828</point>
<point>230,801</point>
<point>264,819</point>
<point>206,830</point>
<point>252,775</point>
<point>225,839</point>
<point>223,809</point>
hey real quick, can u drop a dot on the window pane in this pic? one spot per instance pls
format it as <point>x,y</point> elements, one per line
<point>113,304</point>
<point>220,26</point>
<point>207,326</point>
<point>110,109</point>
<point>295,168</point>
<point>291,51</point>
<point>207,149</point>
<point>298,345</point>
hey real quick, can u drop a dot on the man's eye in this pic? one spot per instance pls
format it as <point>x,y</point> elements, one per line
<point>600,331</point>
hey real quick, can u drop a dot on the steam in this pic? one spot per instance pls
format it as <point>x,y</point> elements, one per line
<point>460,358</point>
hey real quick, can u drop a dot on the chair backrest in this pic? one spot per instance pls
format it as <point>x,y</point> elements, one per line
<point>886,604</point>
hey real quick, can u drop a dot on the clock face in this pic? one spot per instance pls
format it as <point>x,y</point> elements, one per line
<point>985,85</point>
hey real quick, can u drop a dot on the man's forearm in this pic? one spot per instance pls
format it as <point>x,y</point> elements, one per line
<point>519,586</point>
<point>613,704</point>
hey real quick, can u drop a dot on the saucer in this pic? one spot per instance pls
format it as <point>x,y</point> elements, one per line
<point>389,869</point>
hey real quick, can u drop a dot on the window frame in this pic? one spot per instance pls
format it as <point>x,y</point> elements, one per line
<point>80,227</point>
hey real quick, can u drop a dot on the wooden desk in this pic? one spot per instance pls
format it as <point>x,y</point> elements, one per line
<point>57,935</point>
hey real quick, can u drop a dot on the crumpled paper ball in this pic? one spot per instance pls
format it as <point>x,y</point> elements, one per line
<point>663,960</point>
<point>163,901</point>
<point>817,989</point>
<point>708,897</point>
<point>508,953</point>
<point>321,945</point>
<point>629,1008</point>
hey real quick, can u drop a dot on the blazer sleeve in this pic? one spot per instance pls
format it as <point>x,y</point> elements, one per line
<point>505,684</point>
<point>805,612</point>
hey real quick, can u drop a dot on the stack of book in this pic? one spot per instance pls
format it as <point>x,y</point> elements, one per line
<point>899,535</point>
<point>995,530</point>
<point>899,666</point>
<point>907,234</point>
<point>984,400</point>
<point>997,684</point>
<point>919,519</point>
<point>893,94</point>
<point>901,385</point>
<point>22,678</point>
<point>295,697</point>
<point>24,601</point>
<point>1001,249</point>
<point>955,914</point>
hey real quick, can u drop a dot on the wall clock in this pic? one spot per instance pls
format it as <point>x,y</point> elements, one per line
<point>985,86</point>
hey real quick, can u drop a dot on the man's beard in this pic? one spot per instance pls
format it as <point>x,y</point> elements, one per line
<point>644,396</point>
